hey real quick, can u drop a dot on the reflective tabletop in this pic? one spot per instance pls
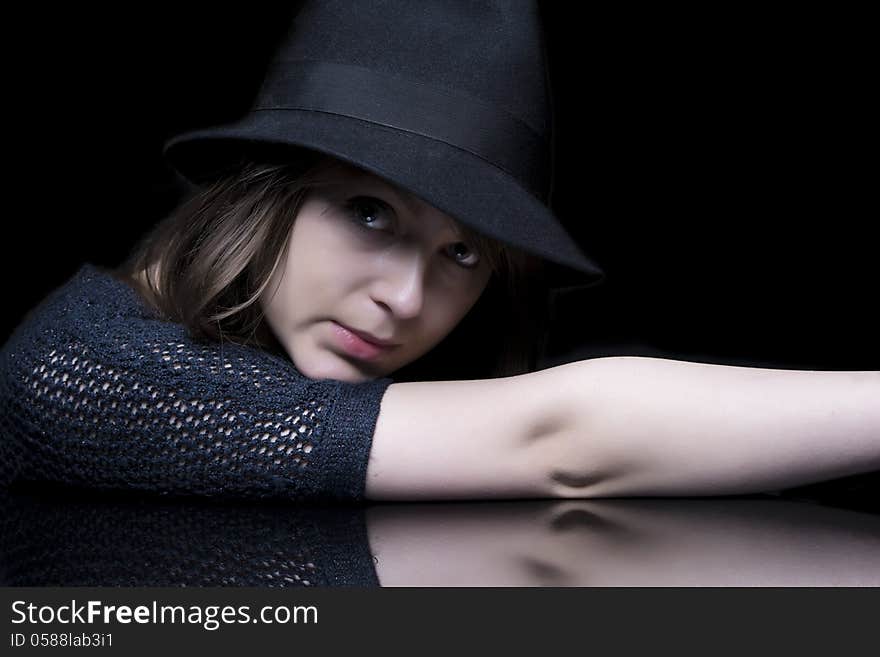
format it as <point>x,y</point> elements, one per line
<point>78,538</point>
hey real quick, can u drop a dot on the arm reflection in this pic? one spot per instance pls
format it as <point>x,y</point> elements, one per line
<point>625,542</point>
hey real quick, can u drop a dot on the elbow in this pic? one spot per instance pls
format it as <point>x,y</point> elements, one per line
<point>579,446</point>
<point>571,462</point>
<point>566,484</point>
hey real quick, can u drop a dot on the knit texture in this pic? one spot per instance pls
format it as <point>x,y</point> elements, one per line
<point>97,391</point>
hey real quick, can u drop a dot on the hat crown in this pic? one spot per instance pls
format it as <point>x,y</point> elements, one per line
<point>448,99</point>
<point>492,51</point>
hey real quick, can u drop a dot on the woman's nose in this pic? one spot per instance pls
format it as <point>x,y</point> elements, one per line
<point>401,286</point>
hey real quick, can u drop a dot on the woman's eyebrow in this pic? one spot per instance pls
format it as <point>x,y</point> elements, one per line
<point>410,203</point>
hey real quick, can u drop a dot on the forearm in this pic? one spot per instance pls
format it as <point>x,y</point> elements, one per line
<point>650,426</point>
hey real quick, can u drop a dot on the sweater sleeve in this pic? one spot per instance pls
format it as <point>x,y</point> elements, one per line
<point>98,392</point>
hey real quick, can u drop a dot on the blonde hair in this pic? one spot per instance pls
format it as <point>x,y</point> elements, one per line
<point>207,264</point>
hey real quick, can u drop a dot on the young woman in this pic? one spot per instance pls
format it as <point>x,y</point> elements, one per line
<point>296,328</point>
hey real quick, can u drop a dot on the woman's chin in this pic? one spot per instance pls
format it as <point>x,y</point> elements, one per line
<point>336,367</point>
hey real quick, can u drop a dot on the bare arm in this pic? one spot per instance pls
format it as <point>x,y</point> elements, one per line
<point>652,426</point>
<point>624,426</point>
<point>464,439</point>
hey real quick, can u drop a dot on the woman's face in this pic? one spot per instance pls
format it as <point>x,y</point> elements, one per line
<point>364,256</point>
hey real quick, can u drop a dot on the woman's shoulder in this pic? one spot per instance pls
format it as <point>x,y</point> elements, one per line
<point>92,297</point>
<point>98,290</point>
<point>99,309</point>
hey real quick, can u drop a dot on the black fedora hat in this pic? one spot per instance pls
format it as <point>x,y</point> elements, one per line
<point>449,100</point>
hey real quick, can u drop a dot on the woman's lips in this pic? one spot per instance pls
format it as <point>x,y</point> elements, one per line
<point>355,345</point>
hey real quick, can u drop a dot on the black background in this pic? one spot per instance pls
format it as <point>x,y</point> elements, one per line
<point>715,164</point>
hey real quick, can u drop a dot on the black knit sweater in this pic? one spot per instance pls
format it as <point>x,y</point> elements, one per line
<point>97,391</point>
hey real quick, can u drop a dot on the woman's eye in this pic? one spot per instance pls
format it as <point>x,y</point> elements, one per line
<point>464,255</point>
<point>376,215</point>
<point>368,212</point>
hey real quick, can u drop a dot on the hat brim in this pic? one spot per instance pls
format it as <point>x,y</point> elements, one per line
<point>450,179</point>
